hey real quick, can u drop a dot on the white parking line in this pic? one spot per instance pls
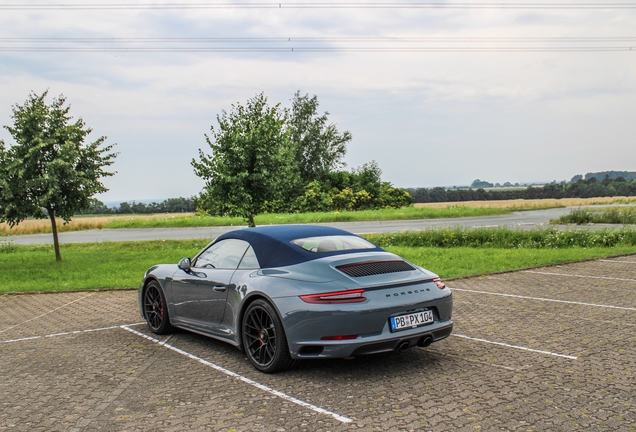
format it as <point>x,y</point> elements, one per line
<point>579,276</point>
<point>51,311</point>
<point>544,299</point>
<point>68,333</point>
<point>517,347</point>
<point>21,339</point>
<point>242,378</point>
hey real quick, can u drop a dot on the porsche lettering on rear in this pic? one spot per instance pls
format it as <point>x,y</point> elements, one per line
<point>408,292</point>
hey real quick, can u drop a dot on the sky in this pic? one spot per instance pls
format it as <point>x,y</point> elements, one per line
<point>536,94</point>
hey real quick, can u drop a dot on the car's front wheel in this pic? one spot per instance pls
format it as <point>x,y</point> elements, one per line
<point>156,309</point>
<point>264,338</point>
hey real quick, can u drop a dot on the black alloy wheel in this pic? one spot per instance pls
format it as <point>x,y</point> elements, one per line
<point>264,338</point>
<point>156,309</point>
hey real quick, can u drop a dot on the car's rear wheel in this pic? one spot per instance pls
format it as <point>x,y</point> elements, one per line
<point>264,338</point>
<point>156,309</point>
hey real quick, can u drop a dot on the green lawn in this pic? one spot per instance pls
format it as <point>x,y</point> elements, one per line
<point>87,265</point>
<point>602,215</point>
<point>406,213</point>
<point>507,238</point>
<point>467,261</point>
<point>122,265</point>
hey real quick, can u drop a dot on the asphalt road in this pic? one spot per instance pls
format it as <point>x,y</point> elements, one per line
<point>520,220</point>
<point>549,349</point>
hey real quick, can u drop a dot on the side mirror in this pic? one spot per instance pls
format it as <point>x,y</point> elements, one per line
<point>185,264</point>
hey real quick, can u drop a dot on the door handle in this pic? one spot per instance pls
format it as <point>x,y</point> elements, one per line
<point>219,288</point>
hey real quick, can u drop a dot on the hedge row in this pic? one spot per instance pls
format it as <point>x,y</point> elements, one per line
<point>506,238</point>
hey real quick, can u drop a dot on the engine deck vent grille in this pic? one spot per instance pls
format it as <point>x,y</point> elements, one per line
<point>375,268</point>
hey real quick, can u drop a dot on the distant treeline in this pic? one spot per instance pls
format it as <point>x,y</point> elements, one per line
<point>627,175</point>
<point>171,205</point>
<point>580,189</point>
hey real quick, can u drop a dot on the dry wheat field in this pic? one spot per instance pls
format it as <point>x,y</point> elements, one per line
<point>78,223</point>
<point>41,226</point>
<point>533,203</point>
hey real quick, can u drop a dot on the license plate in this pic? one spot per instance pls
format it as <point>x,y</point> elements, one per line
<point>411,320</point>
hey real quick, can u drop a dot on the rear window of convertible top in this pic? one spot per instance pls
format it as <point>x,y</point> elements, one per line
<point>332,243</point>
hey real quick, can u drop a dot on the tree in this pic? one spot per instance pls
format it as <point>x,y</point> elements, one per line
<point>319,147</point>
<point>96,207</point>
<point>139,208</point>
<point>251,165</point>
<point>368,178</point>
<point>476,184</point>
<point>49,171</point>
<point>125,208</point>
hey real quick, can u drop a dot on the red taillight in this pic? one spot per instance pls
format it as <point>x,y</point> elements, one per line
<point>350,296</point>
<point>439,283</point>
<point>348,337</point>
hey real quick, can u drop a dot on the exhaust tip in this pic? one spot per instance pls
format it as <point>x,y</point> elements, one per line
<point>402,346</point>
<point>425,341</point>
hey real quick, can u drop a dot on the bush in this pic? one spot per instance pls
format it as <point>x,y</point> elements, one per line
<point>506,238</point>
<point>361,189</point>
<point>620,215</point>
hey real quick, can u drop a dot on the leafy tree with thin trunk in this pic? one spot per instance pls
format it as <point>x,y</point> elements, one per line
<point>319,146</point>
<point>251,166</point>
<point>49,171</point>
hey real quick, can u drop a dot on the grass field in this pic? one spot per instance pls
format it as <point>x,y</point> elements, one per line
<point>122,265</point>
<point>315,217</point>
<point>534,204</point>
<point>78,223</point>
<point>418,211</point>
<point>86,265</point>
<point>467,261</point>
<point>614,215</point>
<point>191,220</point>
<point>544,239</point>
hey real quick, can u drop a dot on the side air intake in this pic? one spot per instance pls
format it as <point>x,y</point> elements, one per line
<point>375,268</point>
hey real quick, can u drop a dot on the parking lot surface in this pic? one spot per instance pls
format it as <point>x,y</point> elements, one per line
<point>547,349</point>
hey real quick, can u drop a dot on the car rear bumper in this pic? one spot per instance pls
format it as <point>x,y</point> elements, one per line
<point>385,342</point>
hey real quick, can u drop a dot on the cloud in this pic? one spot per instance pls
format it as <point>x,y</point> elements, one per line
<point>427,118</point>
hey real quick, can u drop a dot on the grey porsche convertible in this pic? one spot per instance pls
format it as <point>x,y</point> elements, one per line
<point>290,292</point>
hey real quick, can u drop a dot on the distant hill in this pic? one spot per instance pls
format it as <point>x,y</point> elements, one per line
<point>600,176</point>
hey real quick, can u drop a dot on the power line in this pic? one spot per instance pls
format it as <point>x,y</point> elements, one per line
<point>432,39</point>
<point>316,5</point>
<point>317,49</point>
<point>341,44</point>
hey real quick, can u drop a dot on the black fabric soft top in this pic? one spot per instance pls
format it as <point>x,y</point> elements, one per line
<point>273,247</point>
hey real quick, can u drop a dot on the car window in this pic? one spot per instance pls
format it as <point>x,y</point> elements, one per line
<point>225,254</point>
<point>249,260</point>
<point>332,243</point>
